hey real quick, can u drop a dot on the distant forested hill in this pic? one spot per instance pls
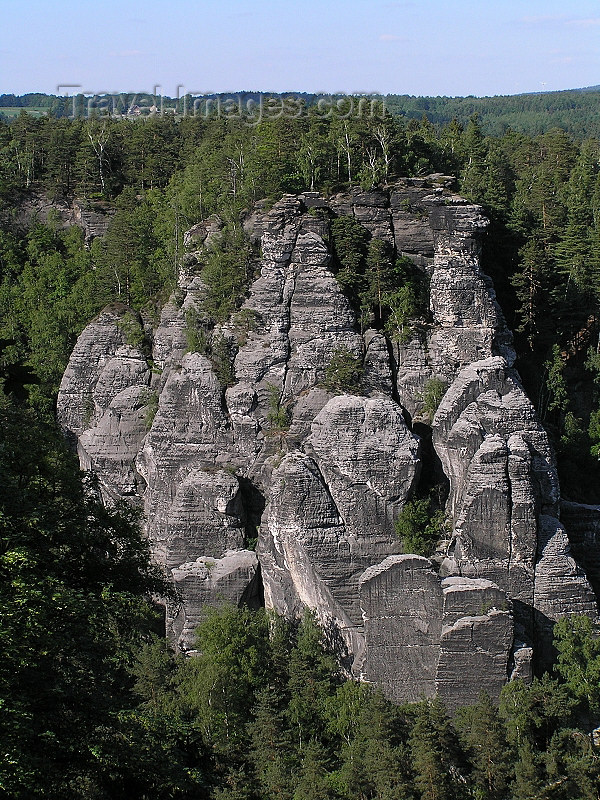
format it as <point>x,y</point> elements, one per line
<point>576,111</point>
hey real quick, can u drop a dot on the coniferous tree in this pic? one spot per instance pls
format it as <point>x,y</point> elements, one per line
<point>483,737</point>
<point>435,755</point>
<point>313,673</point>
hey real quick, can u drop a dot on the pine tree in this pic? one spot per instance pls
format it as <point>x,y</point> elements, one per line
<point>473,179</point>
<point>529,774</point>
<point>350,241</point>
<point>573,251</point>
<point>534,281</point>
<point>483,737</point>
<point>578,661</point>
<point>313,783</point>
<point>272,752</point>
<point>313,677</point>
<point>435,754</point>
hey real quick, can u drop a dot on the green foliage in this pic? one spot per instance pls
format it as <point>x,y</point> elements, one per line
<point>133,331</point>
<point>431,397</point>
<point>150,403</point>
<point>555,382</point>
<point>220,684</point>
<point>272,749</point>
<point>313,780</point>
<point>578,644</point>
<point>343,373</point>
<point>533,712</point>
<point>196,335</point>
<point>278,414</point>
<point>226,273</point>
<point>402,310</point>
<point>594,433</point>
<point>222,354</point>
<point>75,587</point>
<point>245,321</point>
<point>388,292</point>
<point>313,676</point>
<point>435,754</point>
<point>533,283</point>
<point>406,303</point>
<point>349,240</point>
<point>483,738</point>
<point>420,526</point>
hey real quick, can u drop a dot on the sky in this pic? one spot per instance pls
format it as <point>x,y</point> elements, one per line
<point>418,47</point>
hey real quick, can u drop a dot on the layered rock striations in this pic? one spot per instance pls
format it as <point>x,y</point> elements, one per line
<point>275,489</point>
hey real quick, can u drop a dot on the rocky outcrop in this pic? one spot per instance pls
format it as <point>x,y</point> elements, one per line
<point>37,207</point>
<point>561,586</point>
<point>233,579</point>
<point>477,635</point>
<point>401,599</point>
<point>317,478</point>
<point>330,513</point>
<point>503,499</point>
<point>104,398</point>
<point>468,323</point>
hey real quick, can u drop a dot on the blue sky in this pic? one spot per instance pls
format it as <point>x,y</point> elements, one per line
<point>431,47</point>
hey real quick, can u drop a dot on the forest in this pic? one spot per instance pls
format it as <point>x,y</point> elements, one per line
<point>93,703</point>
<point>572,110</point>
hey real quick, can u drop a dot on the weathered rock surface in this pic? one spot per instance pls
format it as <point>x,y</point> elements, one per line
<point>92,218</point>
<point>402,605</point>
<point>318,478</point>
<point>369,459</point>
<point>477,635</point>
<point>330,513</point>
<point>468,323</point>
<point>111,446</point>
<point>561,586</point>
<point>503,499</point>
<point>103,401</point>
<point>231,579</point>
<point>427,636</point>
<point>301,315</point>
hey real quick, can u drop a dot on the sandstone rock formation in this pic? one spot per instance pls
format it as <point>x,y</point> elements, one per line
<point>503,499</point>
<point>92,217</point>
<point>316,479</point>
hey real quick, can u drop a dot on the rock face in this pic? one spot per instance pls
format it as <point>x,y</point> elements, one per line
<point>401,599</point>
<point>233,578</point>
<point>426,635</point>
<point>503,500</point>
<point>104,396</point>
<point>330,514</point>
<point>468,323</point>
<point>316,479</point>
<point>92,218</point>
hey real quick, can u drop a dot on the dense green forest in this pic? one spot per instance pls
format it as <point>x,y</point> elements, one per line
<point>92,703</point>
